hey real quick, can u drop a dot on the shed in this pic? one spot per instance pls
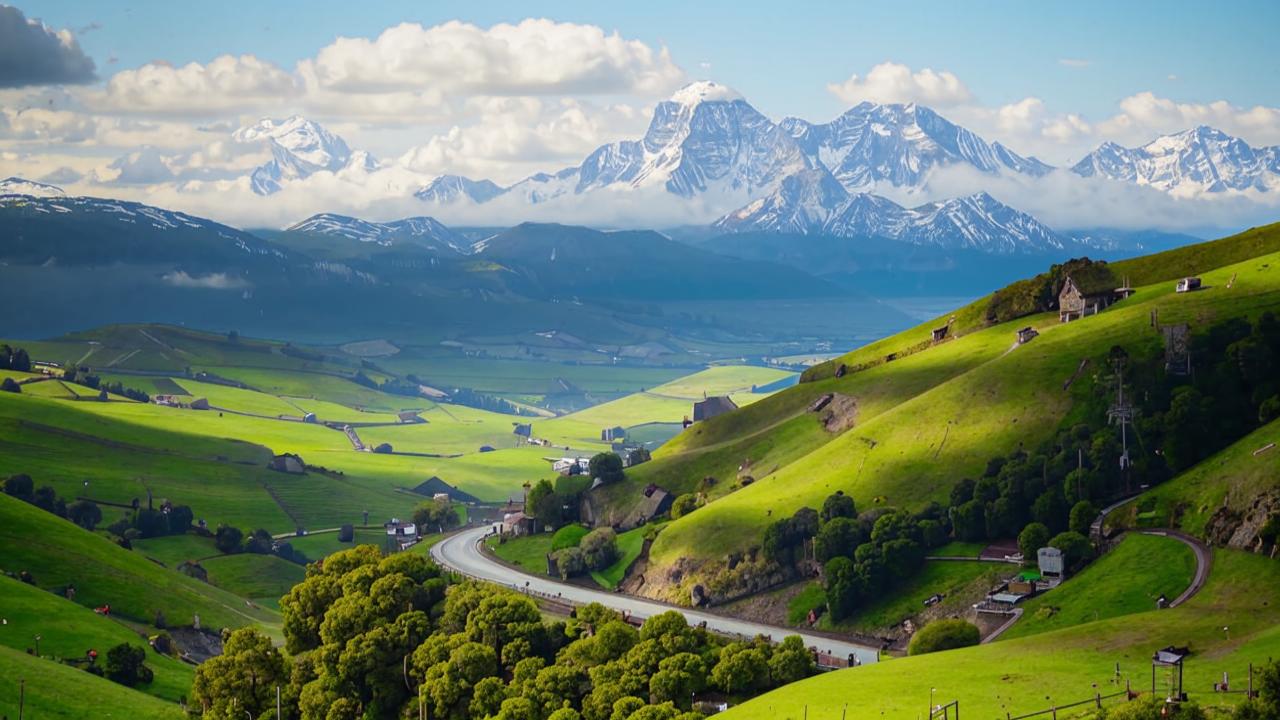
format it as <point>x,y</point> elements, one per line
<point>1026,334</point>
<point>1085,293</point>
<point>713,406</point>
<point>635,456</point>
<point>402,532</point>
<point>518,524</point>
<point>409,416</point>
<point>656,502</point>
<point>940,334</point>
<point>287,463</point>
<point>523,429</point>
<point>1050,561</point>
<point>1188,284</point>
<point>200,404</point>
<point>617,432</point>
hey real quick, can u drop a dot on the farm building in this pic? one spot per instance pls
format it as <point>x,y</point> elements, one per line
<point>940,334</point>
<point>1188,284</point>
<point>402,533</point>
<point>656,502</point>
<point>1052,566</point>
<point>1088,295</point>
<point>712,406</point>
<point>409,416</point>
<point>287,463</point>
<point>200,404</point>
<point>518,524</point>
<point>523,429</point>
<point>166,400</point>
<point>434,487</point>
<point>571,466</point>
<point>616,432</point>
<point>1026,334</point>
<point>635,456</point>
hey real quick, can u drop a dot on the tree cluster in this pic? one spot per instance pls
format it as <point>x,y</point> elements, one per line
<point>435,516</point>
<point>592,552</point>
<point>369,636</point>
<point>84,513</point>
<point>12,358</point>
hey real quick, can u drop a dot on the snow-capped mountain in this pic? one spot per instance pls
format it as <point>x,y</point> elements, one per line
<point>1202,159</point>
<point>422,231</point>
<point>299,148</point>
<point>453,188</point>
<point>30,188</point>
<point>899,145</point>
<point>813,202</point>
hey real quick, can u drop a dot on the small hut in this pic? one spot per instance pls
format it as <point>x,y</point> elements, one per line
<point>1026,334</point>
<point>713,406</point>
<point>940,334</point>
<point>1188,284</point>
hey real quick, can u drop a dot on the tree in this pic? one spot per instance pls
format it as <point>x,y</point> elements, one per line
<point>228,539</point>
<point>125,665</point>
<point>1082,517</point>
<point>1075,547</point>
<point>607,466</point>
<point>791,662</point>
<point>902,558</point>
<point>84,513</point>
<point>20,487</point>
<point>545,504</point>
<point>969,521</point>
<point>1033,537</point>
<point>180,518</point>
<point>259,542</point>
<point>678,677</point>
<point>742,668</point>
<point>151,523</point>
<point>599,548</point>
<point>435,516</point>
<point>683,505</point>
<point>242,679</point>
<point>962,492</point>
<point>838,505</point>
<point>1050,510</point>
<point>943,635</point>
<point>20,361</point>
<point>569,562</point>
<point>838,536</point>
<point>10,385</point>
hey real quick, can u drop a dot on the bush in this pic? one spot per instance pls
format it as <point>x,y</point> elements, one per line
<point>569,562</point>
<point>944,635</point>
<point>1075,547</point>
<point>84,513</point>
<point>227,539</point>
<point>683,505</point>
<point>607,466</point>
<point>10,385</point>
<point>599,548</point>
<point>567,537</point>
<point>1033,537</point>
<point>435,516</point>
<point>125,665</point>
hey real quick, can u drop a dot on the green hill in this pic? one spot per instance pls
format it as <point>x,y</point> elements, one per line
<point>1030,674</point>
<point>58,553</point>
<point>58,691</point>
<point>925,419</point>
<point>68,630</point>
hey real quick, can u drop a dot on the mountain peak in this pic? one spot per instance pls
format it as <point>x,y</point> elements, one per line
<point>299,148</point>
<point>21,186</point>
<point>705,91</point>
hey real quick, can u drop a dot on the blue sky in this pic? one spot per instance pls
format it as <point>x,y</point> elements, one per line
<point>780,55</point>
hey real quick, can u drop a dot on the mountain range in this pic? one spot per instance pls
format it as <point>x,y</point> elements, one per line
<point>1203,159</point>
<point>299,149</point>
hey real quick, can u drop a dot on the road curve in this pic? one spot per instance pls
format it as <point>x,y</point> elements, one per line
<point>1204,561</point>
<point>461,553</point>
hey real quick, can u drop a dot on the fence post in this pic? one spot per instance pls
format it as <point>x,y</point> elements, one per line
<point>1250,693</point>
<point>1097,697</point>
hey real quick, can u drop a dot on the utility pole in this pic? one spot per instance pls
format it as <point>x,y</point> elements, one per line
<point>277,702</point>
<point>1122,412</point>
<point>22,696</point>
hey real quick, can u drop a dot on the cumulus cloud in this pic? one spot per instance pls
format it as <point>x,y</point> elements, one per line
<point>62,175</point>
<point>212,281</point>
<point>32,53</point>
<point>1145,114</point>
<point>143,167</point>
<point>228,83</point>
<point>533,57</point>
<point>891,82</point>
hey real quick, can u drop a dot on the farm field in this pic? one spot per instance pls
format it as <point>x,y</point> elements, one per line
<point>1015,676</point>
<point>173,550</point>
<point>1126,580</point>
<point>261,578</point>
<point>68,630</point>
<point>527,553</point>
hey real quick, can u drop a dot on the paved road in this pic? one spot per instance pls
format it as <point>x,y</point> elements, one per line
<point>1204,561</point>
<point>461,553</point>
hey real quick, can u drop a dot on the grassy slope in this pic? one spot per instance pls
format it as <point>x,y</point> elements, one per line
<point>263,578</point>
<point>1234,477</point>
<point>528,553</point>
<point>1126,580</point>
<point>630,543</point>
<point>58,553</point>
<point>58,691</point>
<point>1011,398</point>
<point>1017,675</point>
<point>68,630</point>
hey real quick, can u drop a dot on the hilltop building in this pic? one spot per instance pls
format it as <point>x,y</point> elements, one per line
<point>713,406</point>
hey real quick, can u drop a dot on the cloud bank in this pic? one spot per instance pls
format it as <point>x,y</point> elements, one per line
<point>32,53</point>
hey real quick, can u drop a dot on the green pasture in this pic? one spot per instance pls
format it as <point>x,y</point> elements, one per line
<point>61,692</point>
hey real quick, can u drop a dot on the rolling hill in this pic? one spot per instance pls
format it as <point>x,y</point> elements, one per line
<point>919,417</point>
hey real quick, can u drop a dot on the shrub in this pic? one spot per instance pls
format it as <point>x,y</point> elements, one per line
<point>944,635</point>
<point>599,548</point>
<point>567,537</point>
<point>125,665</point>
<point>684,505</point>
<point>1075,547</point>
<point>10,385</point>
<point>569,562</point>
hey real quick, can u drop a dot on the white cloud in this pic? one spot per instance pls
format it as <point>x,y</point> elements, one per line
<point>227,84</point>
<point>212,281</point>
<point>891,82</point>
<point>1146,115</point>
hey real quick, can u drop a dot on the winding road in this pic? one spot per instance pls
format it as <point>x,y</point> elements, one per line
<point>461,553</point>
